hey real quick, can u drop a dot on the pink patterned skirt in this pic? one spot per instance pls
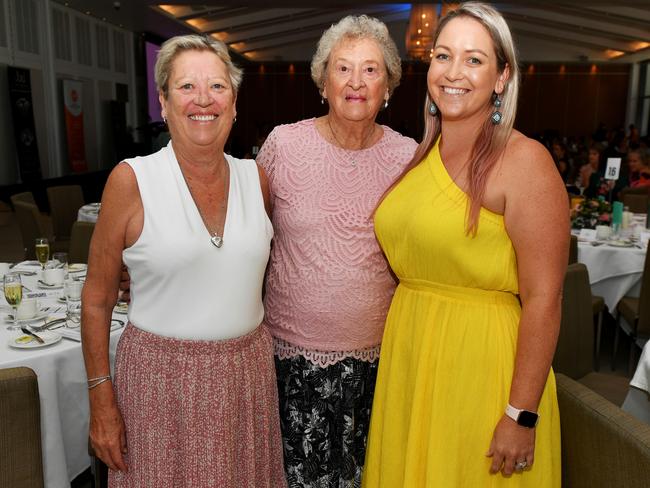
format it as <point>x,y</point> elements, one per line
<point>198,413</point>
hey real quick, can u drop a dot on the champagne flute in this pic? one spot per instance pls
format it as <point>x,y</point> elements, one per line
<point>13,287</point>
<point>42,251</point>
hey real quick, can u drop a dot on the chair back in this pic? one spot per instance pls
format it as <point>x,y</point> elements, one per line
<point>643,326</point>
<point>636,203</point>
<point>26,197</point>
<point>602,446</point>
<point>20,429</point>
<point>82,233</point>
<point>575,345</point>
<point>573,250</point>
<point>30,223</point>
<point>65,202</point>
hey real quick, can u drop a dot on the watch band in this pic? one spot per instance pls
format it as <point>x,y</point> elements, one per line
<point>522,417</point>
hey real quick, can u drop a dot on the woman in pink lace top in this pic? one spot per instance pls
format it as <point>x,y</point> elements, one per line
<point>328,286</point>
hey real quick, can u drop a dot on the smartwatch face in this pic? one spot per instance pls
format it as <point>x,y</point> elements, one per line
<point>527,419</point>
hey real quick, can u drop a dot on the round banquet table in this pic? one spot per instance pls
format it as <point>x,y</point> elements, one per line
<point>613,271</point>
<point>88,213</point>
<point>61,382</point>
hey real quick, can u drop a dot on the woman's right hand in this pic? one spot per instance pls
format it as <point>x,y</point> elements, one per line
<point>107,432</point>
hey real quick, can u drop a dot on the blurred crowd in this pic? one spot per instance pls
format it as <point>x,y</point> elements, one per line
<point>581,161</point>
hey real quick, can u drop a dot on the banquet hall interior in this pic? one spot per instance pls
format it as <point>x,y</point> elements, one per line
<point>77,96</point>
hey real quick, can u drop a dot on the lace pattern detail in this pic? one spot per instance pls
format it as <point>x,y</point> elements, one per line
<point>328,286</point>
<point>285,350</point>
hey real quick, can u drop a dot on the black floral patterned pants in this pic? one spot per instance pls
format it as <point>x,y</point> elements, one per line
<point>325,415</point>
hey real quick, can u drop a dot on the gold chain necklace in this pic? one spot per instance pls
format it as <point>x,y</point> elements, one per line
<point>215,239</point>
<point>363,142</point>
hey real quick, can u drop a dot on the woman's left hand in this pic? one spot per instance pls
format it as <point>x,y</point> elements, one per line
<point>511,444</point>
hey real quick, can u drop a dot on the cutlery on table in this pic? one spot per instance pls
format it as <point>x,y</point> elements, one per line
<point>25,273</point>
<point>30,333</point>
<point>49,324</point>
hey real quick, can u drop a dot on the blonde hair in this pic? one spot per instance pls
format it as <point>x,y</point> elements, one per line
<point>174,46</point>
<point>492,139</point>
<point>357,27</point>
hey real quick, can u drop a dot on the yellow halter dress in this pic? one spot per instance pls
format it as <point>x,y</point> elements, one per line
<point>449,346</point>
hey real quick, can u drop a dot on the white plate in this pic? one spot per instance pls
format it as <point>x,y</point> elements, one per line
<point>43,286</point>
<point>48,336</point>
<point>38,316</point>
<point>620,244</point>
<point>76,267</point>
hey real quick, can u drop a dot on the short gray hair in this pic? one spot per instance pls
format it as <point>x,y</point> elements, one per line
<point>176,45</point>
<point>357,27</point>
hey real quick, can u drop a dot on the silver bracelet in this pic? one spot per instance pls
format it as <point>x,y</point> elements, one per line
<point>99,382</point>
<point>92,380</point>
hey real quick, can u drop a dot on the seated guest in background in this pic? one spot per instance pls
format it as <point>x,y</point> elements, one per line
<point>591,167</point>
<point>194,401</point>
<point>561,161</point>
<point>476,230</point>
<point>328,285</point>
<point>639,167</point>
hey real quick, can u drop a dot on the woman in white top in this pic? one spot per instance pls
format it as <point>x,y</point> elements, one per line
<point>194,401</point>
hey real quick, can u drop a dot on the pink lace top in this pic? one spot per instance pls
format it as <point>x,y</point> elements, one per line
<point>328,285</point>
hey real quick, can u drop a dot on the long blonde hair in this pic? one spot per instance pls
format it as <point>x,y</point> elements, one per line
<point>492,139</point>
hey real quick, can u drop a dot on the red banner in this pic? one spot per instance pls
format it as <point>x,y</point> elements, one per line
<point>74,125</point>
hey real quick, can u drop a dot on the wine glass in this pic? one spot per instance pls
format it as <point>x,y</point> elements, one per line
<point>13,287</point>
<point>61,261</point>
<point>42,251</point>
<point>72,289</point>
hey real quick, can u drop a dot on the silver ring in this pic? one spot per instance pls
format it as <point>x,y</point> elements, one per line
<point>520,465</point>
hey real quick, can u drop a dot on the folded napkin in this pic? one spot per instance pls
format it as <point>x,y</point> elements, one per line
<point>75,334</point>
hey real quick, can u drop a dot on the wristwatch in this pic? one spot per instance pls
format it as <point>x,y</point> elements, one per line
<point>522,417</point>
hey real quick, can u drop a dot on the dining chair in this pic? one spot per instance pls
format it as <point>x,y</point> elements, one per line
<point>31,226</point>
<point>28,197</point>
<point>80,237</point>
<point>597,304</point>
<point>65,202</point>
<point>602,446</point>
<point>20,429</point>
<point>634,317</point>
<point>575,345</point>
<point>637,203</point>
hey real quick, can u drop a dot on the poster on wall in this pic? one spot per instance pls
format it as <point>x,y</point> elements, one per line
<point>22,113</point>
<point>74,125</point>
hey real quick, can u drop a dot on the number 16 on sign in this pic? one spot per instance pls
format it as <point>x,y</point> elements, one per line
<point>613,168</point>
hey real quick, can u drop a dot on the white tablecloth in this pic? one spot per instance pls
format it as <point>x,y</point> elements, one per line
<point>613,271</point>
<point>62,388</point>
<point>637,401</point>
<point>88,213</point>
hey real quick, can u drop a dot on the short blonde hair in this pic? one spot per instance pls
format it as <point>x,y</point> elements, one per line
<point>176,45</point>
<point>355,27</point>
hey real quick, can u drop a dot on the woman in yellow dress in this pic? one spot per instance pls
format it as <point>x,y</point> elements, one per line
<point>476,230</point>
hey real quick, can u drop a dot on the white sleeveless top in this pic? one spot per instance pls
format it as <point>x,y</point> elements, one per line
<point>183,286</point>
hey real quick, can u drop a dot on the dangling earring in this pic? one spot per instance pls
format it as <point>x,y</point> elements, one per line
<point>433,109</point>
<point>234,119</point>
<point>497,116</point>
<point>385,104</point>
<point>322,100</point>
<point>164,119</point>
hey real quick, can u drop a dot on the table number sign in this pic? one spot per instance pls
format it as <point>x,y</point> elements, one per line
<point>613,168</point>
<point>587,235</point>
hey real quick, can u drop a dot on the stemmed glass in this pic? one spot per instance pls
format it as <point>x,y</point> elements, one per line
<point>61,259</point>
<point>13,287</point>
<point>72,289</point>
<point>42,251</point>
